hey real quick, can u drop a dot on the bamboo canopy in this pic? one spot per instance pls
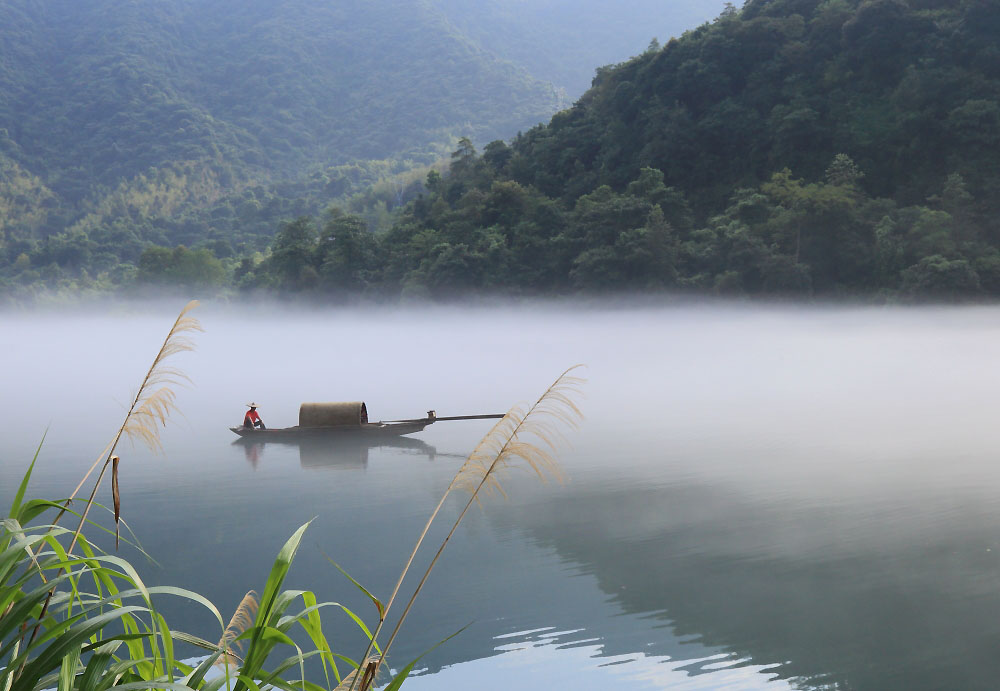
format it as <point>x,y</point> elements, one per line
<point>333,414</point>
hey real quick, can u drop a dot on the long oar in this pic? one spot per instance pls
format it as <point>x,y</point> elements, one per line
<point>454,417</point>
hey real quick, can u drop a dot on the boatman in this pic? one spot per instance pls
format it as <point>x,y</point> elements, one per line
<point>252,418</point>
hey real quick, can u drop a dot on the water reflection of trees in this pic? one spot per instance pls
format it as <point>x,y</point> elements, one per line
<point>829,593</point>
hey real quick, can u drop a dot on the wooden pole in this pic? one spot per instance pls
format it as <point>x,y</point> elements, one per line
<point>434,418</point>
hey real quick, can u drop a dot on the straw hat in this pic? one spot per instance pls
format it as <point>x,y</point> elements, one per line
<point>252,405</point>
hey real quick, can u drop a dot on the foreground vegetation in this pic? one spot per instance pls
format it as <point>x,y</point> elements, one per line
<point>76,618</point>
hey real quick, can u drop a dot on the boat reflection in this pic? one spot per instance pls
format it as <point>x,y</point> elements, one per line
<point>337,452</point>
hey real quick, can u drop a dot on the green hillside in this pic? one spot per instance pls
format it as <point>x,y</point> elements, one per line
<point>213,96</point>
<point>796,147</point>
<point>184,122</point>
<point>109,89</point>
<point>909,90</point>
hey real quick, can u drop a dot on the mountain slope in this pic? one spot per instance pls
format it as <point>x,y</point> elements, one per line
<point>564,41</point>
<point>910,91</point>
<point>796,147</point>
<point>96,91</point>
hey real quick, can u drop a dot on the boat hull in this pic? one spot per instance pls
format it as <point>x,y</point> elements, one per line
<point>367,430</point>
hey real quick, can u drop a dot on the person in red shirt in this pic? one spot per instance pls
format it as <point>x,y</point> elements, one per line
<point>252,418</point>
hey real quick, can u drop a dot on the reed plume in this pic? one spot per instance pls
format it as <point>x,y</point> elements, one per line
<point>242,620</point>
<point>533,437</point>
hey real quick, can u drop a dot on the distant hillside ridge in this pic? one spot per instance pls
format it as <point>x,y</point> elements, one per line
<point>98,91</point>
<point>910,90</point>
<point>180,121</point>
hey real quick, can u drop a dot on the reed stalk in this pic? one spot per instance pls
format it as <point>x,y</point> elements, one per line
<point>502,446</point>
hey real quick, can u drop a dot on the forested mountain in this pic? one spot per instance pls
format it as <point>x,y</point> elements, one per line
<point>803,147</point>
<point>182,121</point>
<point>99,91</point>
<point>908,89</point>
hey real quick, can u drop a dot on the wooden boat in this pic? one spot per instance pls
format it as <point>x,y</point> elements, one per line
<point>345,420</point>
<point>368,429</point>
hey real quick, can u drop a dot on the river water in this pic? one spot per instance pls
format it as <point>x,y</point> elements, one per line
<point>759,497</point>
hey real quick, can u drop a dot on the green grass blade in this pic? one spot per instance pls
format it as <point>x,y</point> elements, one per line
<point>195,641</point>
<point>361,624</point>
<point>257,651</point>
<point>19,495</point>
<point>152,684</point>
<point>267,634</point>
<point>375,601</point>
<point>168,646</point>
<point>247,682</point>
<point>398,680</point>
<point>278,572</point>
<point>297,685</point>
<point>67,672</point>
<point>196,677</point>
<point>66,642</point>
<point>312,624</point>
<point>121,669</point>
<point>33,508</point>
<point>96,665</point>
<point>274,676</point>
<point>22,609</point>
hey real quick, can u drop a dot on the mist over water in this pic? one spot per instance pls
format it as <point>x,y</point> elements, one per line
<point>759,496</point>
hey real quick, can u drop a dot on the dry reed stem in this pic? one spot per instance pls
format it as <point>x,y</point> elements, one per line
<point>370,666</point>
<point>416,548</point>
<point>116,497</point>
<point>496,452</point>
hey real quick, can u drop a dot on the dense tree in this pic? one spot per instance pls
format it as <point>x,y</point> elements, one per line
<point>179,266</point>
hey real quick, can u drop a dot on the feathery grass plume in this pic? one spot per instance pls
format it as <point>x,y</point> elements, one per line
<point>153,402</point>
<point>151,408</point>
<point>242,620</point>
<point>149,411</point>
<point>497,452</point>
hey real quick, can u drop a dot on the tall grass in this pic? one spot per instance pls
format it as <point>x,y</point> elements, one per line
<point>76,618</point>
<point>530,437</point>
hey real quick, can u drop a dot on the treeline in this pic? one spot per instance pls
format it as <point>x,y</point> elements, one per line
<point>101,252</point>
<point>478,231</point>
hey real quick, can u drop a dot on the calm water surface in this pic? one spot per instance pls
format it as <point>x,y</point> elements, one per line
<point>759,497</point>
